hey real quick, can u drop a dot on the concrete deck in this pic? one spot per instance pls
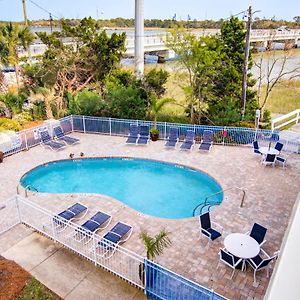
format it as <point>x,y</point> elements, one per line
<point>271,193</point>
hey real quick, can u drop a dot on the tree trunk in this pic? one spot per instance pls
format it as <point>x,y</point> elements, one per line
<point>17,75</point>
<point>49,113</point>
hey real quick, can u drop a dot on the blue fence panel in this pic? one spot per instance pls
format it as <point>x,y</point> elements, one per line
<point>121,127</point>
<point>78,123</point>
<point>164,284</point>
<point>66,124</point>
<point>96,125</point>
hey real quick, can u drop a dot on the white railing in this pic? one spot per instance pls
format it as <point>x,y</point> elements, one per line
<point>285,120</point>
<point>9,216</point>
<point>121,262</point>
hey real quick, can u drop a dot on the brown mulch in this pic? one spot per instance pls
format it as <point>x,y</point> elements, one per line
<point>13,278</point>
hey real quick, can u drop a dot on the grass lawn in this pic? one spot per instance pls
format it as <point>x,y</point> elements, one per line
<point>285,97</point>
<point>34,290</point>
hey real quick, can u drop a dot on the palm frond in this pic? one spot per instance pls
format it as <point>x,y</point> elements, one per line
<point>155,246</point>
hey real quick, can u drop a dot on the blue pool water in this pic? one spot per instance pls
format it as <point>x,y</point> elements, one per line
<point>150,187</point>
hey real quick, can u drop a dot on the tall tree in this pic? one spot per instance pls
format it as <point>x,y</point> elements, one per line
<point>11,37</point>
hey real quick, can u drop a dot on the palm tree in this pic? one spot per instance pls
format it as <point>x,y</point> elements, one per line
<point>156,105</point>
<point>155,245</point>
<point>46,95</point>
<point>12,36</point>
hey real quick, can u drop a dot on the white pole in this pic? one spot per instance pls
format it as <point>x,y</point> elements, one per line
<point>139,38</point>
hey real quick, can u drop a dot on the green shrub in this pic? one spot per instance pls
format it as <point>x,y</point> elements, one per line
<point>125,103</point>
<point>88,103</point>
<point>8,124</point>
<point>23,118</point>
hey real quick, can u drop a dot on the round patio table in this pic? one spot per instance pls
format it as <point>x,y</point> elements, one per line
<point>266,150</point>
<point>242,245</point>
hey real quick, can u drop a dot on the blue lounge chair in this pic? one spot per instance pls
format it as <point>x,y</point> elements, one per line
<point>75,212</point>
<point>258,232</point>
<point>119,234</point>
<point>207,140</point>
<point>133,134</point>
<point>256,148</point>
<point>47,141</point>
<point>144,135</point>
<point>205,227</point>
<point>97,222</point>
<point>172,138</point>
<point>188,141</point>
<point>59,134</point>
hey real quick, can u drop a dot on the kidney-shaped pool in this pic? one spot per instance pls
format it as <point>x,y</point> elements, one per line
<point>151,187</point>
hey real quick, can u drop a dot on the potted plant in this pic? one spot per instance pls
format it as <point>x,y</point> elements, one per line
<point>154,134</point>
<point>154,246</point>
<point>156,106</point>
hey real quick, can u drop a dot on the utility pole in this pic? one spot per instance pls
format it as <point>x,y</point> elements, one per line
<point>24,13</point>
<point>26,24</point>
<point>246,62</point>
<point>139,38</point>
<point>51,20</point>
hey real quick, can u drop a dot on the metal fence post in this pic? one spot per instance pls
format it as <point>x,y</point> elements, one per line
<point>26,142</point>
<point>83,123</point>
<point>109,126</point>
<point>72,123</point>
<point>94,250</point>
<point>18,208</point>
<point>165,130</point>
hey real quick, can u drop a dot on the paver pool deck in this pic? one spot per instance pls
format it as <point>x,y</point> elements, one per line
<point>270,196</point>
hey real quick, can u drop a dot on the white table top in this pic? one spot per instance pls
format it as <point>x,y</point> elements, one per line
<point>242,245</point>
<point>266,150</point>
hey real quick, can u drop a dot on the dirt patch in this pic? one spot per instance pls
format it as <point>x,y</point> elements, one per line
<point>13,278</point>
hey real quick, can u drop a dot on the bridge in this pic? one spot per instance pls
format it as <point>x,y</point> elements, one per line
<point>156,44</point>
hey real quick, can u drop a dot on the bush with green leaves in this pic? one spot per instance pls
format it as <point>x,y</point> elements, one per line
<point>125,102</point>
<point>87,103</point>
<point>14,102</point>
<point>8,124</point>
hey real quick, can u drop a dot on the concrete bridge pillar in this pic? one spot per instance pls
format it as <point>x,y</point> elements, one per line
<point>139,38</point>
<point>289,44</point>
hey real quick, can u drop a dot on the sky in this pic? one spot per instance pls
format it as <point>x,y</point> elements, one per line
<point>154,9</point>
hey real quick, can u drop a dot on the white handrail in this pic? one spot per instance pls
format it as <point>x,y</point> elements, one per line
<point>284,117</point>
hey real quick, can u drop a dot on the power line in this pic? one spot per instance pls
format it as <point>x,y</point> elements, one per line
<point>43,9</point>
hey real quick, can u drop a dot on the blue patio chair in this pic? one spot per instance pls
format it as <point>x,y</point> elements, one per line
<point>278,146</point>
<point>60,135</point>
<point>281,160</point>
<point>259,263</point>
<point>75,212</point>
<point>172,139</point>
<point>230,260</point>
<point>119,234</point>
<point>207,140</point>
<point>188,141</point>
<point>97,222</point>
<point>256,148</point>
<point>133,134</point>
<point>206,229</point>
<point>269,159</point>
<point>144,135</point>
<point>258,232</point>
<point>47,141</point>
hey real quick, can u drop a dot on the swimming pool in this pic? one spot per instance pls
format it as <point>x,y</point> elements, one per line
<point>151,187</point>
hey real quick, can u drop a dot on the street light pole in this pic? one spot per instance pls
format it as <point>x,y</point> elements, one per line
<point>139,38</point>
<point>246,63</point>
<point>26,24</point>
